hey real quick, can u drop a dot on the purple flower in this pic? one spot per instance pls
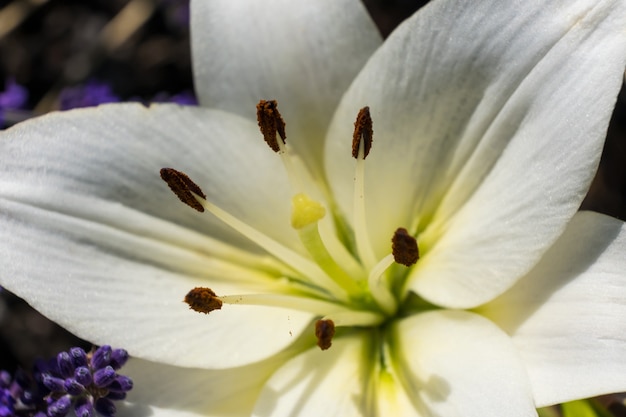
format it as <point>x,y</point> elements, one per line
<point>91,94</point>
<point>73,380</point>
<point>13,97</point>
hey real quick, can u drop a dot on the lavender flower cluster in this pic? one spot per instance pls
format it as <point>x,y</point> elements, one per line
<point>85,383</point>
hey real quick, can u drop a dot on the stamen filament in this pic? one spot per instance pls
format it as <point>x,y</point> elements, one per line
<point>379,288</point>
<point>363,244</point>
<point>356,318</point>
<point>309,269</point>
<point>289,160</point>
<point>308,304</point>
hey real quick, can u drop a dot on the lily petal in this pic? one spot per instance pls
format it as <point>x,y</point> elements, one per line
<point>488,127</point>
<point>320,383</point>
<point>455,363</point>
<point>164,390</point>
<point>114,153</point>
<point>303,54</point>
<point>567,315</point>
<point>95,240</point>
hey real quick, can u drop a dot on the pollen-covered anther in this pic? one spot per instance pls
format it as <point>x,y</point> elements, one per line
<point>271,123</point>
<point>404,247</point>
<point>203,300</point>
<point>183,187</point>
<point>363,132</point>
<point>324,331</point>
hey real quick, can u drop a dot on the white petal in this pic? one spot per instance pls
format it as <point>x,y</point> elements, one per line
<point>567,316</point>
<point>489,120</point>
<point>114,153</point>
<point>455,363</point>
<point>88,239</point>
<point>320,383</point>
<point>163,390</point>
<point>302,53</point>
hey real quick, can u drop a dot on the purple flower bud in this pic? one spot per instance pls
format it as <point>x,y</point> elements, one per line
<point>21,379</point>
<point>79,357</point>
<point>118,358</point>
<point>103,377</point>
<point>5,379</point>
<point>114,395</point>
<point>121,383</point>
<point>14,95</point>
<point>53,383</point>
<point>82,375</point>
<point>60,407</point>
<point>6,410</point>
<point>101,357</point>
<point>90,94</point>
<point>84,407</point>
<point>65,365</point>
<point>105,407</point>
<point>73,387</point>
<point>43,366</point>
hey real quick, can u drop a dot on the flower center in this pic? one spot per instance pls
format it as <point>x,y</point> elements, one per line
<point>343,286</point>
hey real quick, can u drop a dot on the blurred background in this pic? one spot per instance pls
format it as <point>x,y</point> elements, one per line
<point>63,54</point>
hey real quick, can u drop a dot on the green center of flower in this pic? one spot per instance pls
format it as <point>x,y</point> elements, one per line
<point>344,285</point>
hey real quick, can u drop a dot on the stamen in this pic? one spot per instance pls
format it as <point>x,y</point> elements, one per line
<point>379,287</point>
<point>405,252</point>
<point>324,331</point>
<point>404,247</point>
<point>340,314</point>
<point>203,300</point>
<point>363,133</point>
<point>271,124</point>
<point>183,187</point>
<point>361,144</point>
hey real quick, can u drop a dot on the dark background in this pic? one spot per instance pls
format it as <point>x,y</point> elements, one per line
<point>139,49</point>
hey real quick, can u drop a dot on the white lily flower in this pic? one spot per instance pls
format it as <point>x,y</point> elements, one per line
<point>488,124</point>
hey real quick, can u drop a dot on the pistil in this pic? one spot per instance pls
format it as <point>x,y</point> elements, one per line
<point>306,214</point>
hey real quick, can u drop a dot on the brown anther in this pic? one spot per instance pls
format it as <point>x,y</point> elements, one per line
<point>362,132</point>
<point>404,247</point>
<point>271,123</point>
<point>324,331</point>
<point>203,300</point>
<point>183,187</point>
